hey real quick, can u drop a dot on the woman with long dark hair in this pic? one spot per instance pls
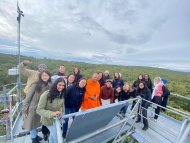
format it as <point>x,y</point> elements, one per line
<point>117,94</point>
<point>144,93</point>
<point>117,81</point>
<point>30,104</point>
<point>148,82</point>
<point>51,104</point>
<point>101,79</point>
<point>70,79</point>
<point>76,72</point>
<point>73,100</point>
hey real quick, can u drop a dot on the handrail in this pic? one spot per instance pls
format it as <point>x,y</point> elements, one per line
<point>58,130</point>
<point>63,116</point>
<point>165,108</point>
<point>12,90</point>
<point>174,94</point>
<point>136,105</point>
<point>182,129</point>
<point>184,135</point>
<point>179,110</point>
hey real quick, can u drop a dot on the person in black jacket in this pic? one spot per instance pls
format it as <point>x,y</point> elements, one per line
<point>159,96</point>
<point>127,92</point>
<point>136,82</point>
<point>148,82</point>
<point>117,80</point>
<point>144,93</point>
<point>117,94</point>
<point>73,100</point>
<point>101,79</point>
<point>135,86</point>
<point>77,74</point>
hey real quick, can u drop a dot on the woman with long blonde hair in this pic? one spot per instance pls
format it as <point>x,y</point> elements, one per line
<point>127,92</point>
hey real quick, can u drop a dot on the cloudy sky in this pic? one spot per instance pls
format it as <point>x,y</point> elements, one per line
<point>121,32</point>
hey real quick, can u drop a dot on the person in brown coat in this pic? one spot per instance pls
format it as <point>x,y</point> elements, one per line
<point>31,118</point>
<point>107,93</point>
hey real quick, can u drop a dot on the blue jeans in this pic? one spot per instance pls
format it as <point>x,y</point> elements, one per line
<point>68,111</point>
<point>53,135</point>
<point>124,108</point>
<point>33,133</point>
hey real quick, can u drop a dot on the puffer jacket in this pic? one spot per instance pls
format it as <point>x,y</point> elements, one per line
<point>46,109</point>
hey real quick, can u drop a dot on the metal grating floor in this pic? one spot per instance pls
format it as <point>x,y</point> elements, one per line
<point>26,139</point>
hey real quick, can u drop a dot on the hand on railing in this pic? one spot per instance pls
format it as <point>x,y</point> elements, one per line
<point>57,113</point>
<point>24,115</point>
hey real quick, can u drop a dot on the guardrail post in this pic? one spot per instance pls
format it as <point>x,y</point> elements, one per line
<point>58,130</point>
<point>5,95</point>
<point>11,117</point>
<point>182,129</point>
<point>136,105</point>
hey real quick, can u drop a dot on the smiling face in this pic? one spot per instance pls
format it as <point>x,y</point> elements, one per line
<point>41,69</point>
<point>95,77</point>
<point>76,70</point>
<point>62,69</point>
<point>146,77</point>
<point>157,80</point>
<point>60,86</point>
<point>116,75</point>
<point>118,89</point>
<point>45,77</point>
<point>71,78</point>
<point>140,77</point>
<point>127,87</point>
<point>99,76</point>
<point>82,83</point>
<point>108,84</point>
<point>141,85</point>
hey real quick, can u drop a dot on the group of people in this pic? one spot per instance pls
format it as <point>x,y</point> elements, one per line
<point>49,96</point>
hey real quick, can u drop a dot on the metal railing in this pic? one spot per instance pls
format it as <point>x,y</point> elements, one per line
<point>183,126</point>
<point>9,135</point>
<point>59,137</point>
<point>179,137</point>
<point>12,110</point>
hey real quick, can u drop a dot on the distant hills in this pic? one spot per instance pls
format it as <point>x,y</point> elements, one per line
<point>178,82</point>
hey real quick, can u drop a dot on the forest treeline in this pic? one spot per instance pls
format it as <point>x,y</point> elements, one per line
<point>178,82</point>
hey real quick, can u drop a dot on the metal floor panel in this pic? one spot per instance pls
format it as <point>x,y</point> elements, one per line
<point>18,127</point>
<point>155,133</point>
<point>26,139</point>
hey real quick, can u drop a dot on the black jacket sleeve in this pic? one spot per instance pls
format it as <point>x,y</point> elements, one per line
<point>149,99</point>
<point>166,92</point>
<point>165,96</point>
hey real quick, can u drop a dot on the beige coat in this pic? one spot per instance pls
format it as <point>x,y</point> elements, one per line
<point>32,75</point>
<point>29,107</point>
<point>46,109</point>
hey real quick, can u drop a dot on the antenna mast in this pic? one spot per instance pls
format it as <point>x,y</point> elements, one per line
<point>20,14</point>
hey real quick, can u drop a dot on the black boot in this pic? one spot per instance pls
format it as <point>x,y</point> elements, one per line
<point>35,140</point>
<point>45,136</point>
<point>64,134</point>
<point>39,138</point>
<point>145,128</point>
